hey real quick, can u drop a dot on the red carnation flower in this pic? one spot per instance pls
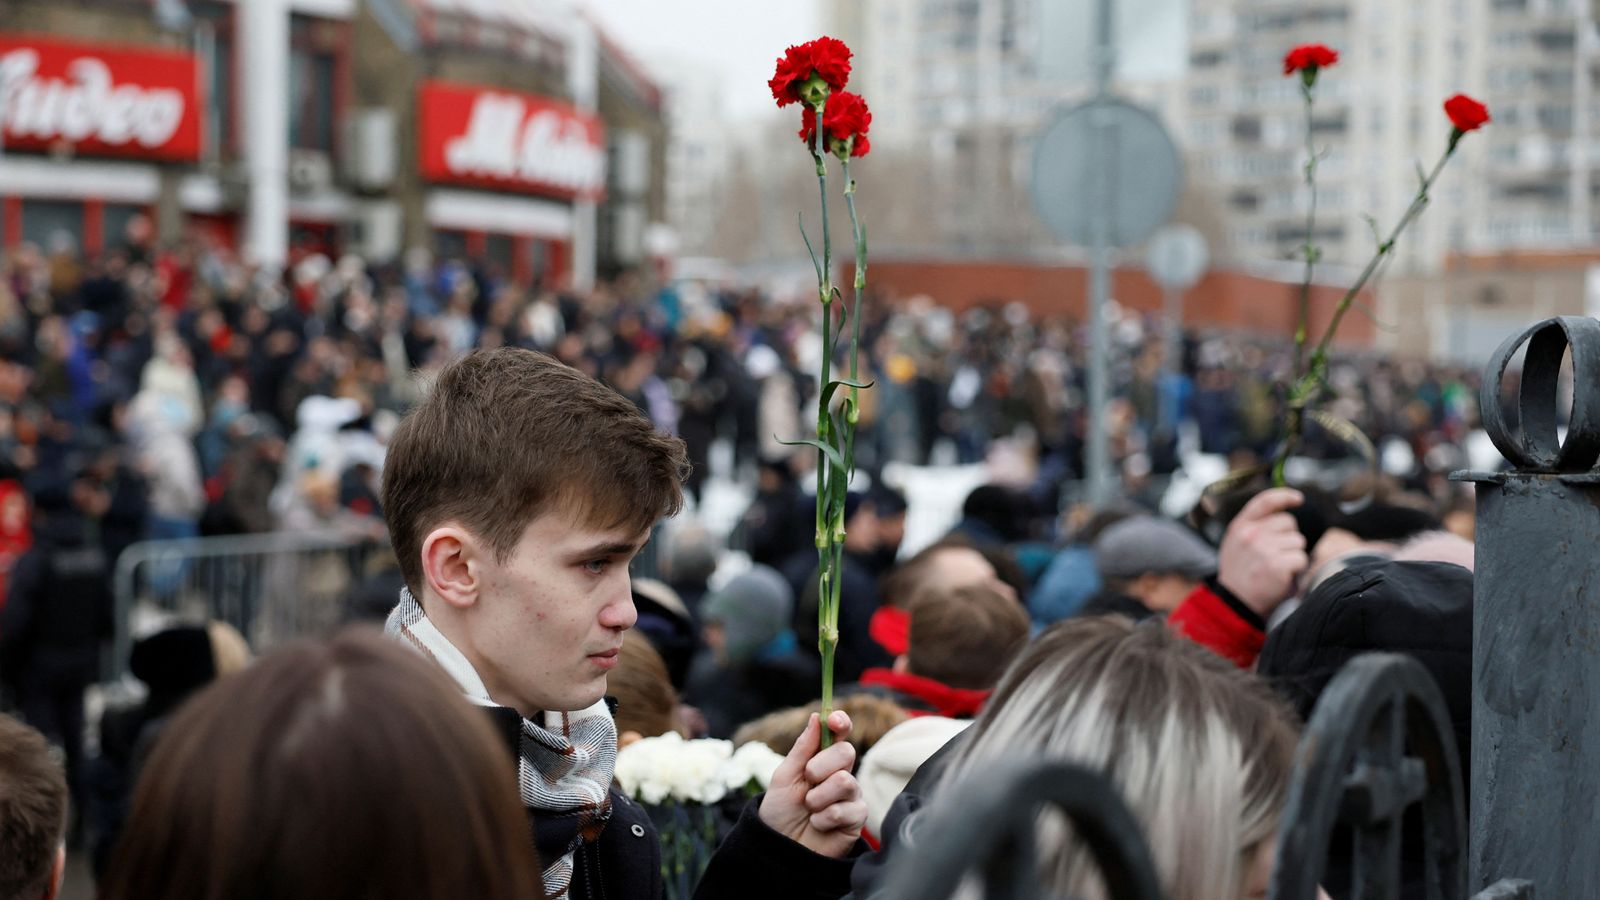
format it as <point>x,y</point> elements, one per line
<point>825,58</point>
<point>846,116</point>
<point>1309,58</point>
<point>1465,113</point>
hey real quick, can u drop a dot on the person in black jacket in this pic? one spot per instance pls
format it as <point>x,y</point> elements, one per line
<point>516,495</point>
<point>57,616</point>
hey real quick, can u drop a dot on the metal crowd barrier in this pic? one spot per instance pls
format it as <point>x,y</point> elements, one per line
<point>271,587</point>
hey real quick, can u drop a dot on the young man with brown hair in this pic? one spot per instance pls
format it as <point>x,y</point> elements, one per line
<point>33,815</point>
<point>961,640</point>
<point>517,494</point>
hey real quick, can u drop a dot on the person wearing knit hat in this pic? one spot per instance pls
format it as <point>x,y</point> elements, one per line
<point>752,664</point>
<point>1148,566</point>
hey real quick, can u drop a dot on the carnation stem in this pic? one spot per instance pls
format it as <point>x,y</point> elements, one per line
<point>827,535</point>
<point>1309,384</point>
<point>853,411</point>
<point>1301,333</point>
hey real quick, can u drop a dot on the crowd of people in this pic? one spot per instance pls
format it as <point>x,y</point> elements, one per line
<point>173,392</point>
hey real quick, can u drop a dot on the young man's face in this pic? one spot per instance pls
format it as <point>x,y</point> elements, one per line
<point>548,621</point>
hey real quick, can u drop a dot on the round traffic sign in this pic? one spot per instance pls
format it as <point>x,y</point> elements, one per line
<point>1177,257</point>
<point>1105,140</point>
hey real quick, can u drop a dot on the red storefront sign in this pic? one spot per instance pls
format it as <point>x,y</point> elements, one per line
<point>99,100</point>
<point>507,140</point>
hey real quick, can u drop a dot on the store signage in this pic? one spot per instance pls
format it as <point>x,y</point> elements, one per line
<point>510,141</point>
<point>99,100</point>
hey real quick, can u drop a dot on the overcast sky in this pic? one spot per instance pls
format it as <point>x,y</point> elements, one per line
<point>743,38</point>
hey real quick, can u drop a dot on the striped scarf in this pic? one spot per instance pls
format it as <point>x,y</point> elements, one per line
<point>565,765</point>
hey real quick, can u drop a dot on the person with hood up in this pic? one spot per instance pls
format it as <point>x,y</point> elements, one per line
<point>753,664</point>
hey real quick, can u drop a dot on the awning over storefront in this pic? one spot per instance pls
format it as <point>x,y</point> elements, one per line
<point>114,182</point>
<point>475,211</point>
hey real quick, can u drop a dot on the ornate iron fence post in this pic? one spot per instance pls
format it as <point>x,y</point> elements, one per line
<point>1378,743</point>
<point>1536,624</point>
<point>987,829</point>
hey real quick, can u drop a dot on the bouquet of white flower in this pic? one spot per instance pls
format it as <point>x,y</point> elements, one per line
<point>693,791</point>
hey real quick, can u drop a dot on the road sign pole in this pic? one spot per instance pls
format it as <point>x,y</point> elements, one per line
<point>1106,174</point>
<point>1172,347</point>
<point>1098,456</point>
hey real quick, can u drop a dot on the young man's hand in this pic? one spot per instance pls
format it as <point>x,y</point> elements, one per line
<point>1263,551</point>
<point>813,798</point>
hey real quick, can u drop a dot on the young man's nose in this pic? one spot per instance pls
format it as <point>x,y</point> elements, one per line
<point>620,613</point>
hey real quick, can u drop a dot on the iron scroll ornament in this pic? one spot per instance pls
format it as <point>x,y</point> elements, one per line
<point>990,825</point>
<point>1378,743</point>
<point>1536,447</point>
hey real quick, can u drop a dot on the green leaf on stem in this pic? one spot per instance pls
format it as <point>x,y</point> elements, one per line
<point>1372,223</point>
<point>833,388</point>
<point>827,449</point>
<point>809,249</point>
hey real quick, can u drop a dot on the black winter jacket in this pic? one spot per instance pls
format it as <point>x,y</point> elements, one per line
<point>624,862</point>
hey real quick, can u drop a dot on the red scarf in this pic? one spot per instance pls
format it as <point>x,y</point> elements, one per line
<point>954,703</point>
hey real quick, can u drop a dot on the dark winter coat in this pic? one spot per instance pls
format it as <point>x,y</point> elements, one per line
<point>58,611</point>
<point>624,863</point>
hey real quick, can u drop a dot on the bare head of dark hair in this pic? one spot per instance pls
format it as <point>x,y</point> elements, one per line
<point>329,769</point>
<point>506,435</point>
<point>965,636</point>
<point>33,811</point>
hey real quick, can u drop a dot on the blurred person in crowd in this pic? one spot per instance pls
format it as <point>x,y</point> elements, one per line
<point>172,665</point>
<point>33,815</point>
<point>1148,566</point>
<point>1422,609</point>
<point>960,643</point>
<point>858,590</point>
<point>16,531</point>
<point>524,603</point>
<point>1201,751</point>
<point>58,616</point>
<point>949,564</point>
<point>889,507</point>
<point>752,663</point>
<point>647,706</point>
<point>1072,576</point>
<point>670,626</point>
<point>436,819</point>
<point>688,561</point>
<point>871,718</point>
<point>994,516</point>
<point>1260,561</point>
<point>158,429</point>
<point>775,524</point>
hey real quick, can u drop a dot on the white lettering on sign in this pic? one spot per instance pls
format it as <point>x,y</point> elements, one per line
<point>503,141</point>
<point>85,105</point>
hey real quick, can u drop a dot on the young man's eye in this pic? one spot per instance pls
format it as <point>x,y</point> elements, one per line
<point>596,566</point>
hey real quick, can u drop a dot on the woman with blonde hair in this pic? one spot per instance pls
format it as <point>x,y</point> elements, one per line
<point>1200,750</point>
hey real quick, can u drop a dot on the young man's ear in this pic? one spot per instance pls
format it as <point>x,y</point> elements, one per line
<point>450,565</point>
